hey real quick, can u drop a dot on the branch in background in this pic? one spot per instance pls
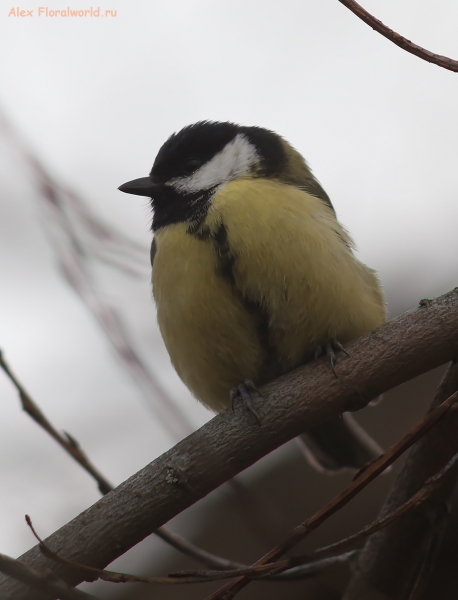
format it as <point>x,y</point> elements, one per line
<point>178,542</point>
<point>316,567</point>
<point>80,239</point>
<point>403,348</point>
<point>302,572</point>
<point>430,487</point>
<point>289,565</point>
<point>41,581</point>
<point>68,443</point>
<point>305,571</point>
<point>362,479</point>
<point>292,569</point>
<point>183,545</point>
<point>72,447</point>
<point>390,560</point>
<point>437,59</point>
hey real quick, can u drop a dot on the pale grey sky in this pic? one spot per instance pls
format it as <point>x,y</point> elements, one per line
<point>96,97</point>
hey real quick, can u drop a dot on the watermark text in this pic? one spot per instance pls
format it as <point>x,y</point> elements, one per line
<point>45,11</point>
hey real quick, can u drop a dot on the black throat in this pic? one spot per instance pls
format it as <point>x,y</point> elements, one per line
<point>170,207</point>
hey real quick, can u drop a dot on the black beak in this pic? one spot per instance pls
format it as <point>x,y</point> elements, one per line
<point>140,187</point>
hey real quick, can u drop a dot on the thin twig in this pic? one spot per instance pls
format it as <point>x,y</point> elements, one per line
<point>437,59</point>
<point>304,571</point>
<point>299,562</point>
<point>431,485</point>
<point>41,581</point>
<point>403,348</point>
<point>178,542</point>
<point>68,443</point>
<point>298,572</point>
<point>72,447</point>
<point>316,566</point>
<point>391,558</point>
<point>183,545</point>
<point>79,238</point>
<point>292,568</point>
<point>301,572</point>
<point>360,482</point>
<point>307,570</point>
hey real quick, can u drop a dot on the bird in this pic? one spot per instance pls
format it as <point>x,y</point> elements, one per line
<point>253,274</point>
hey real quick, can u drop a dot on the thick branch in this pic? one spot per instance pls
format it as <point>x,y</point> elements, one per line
<point>390,557</point>
<point>360,481</point>
<point>437,59</point>
<point>45,581</point>
<point>200,576</point>
<point>403,348</point>
<point>285,567</point>
<point>72,447</point>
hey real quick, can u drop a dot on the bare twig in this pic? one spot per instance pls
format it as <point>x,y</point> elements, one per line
<point>431,485</point>
<point>442,61</point>
<point>407,346</point>
<point>68,443</point>
<point>299,562</point>
<point>79,238</point>
<point>310,569</point>
<point>305,571</point>
<point>391,558</point>
<point>72,447</point>
<point>279,571</point>
<point>386,552</point>
<point>183,545</point>
<point>315,567</point>
<point>359,483</point>
<point>93,573</point>
<point>41,581</point>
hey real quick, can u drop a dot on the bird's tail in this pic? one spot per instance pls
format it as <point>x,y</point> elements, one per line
<point>338,444</point>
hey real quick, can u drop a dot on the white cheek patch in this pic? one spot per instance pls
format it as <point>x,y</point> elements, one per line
<point>237,159</point>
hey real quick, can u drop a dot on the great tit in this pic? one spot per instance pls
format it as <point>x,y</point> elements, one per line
<point>252,271</point>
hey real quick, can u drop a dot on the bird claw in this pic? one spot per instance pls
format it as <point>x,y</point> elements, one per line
<point>244,391</point>
<point>330,349</point>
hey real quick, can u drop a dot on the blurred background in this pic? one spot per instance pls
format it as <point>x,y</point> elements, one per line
<point>85,105</point>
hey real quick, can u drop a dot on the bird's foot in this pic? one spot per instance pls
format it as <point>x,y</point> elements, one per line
<point>330,349</point>
<point>244,391</point>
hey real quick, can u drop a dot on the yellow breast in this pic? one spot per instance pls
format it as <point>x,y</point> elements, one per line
<point>209,335</point>
<point>291,257</point>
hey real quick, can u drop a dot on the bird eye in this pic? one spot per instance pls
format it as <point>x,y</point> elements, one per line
<point>191,165</point>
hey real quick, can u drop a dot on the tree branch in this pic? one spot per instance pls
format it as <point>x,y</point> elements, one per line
<point>390,558</point>
<point>286,567</point>
<point>430,487</point>
<point>41,581</point>
<point>442,61</point>
<point>72,447</point>
<point>183,545</point>
<point>68,443</point>
<point>405,347</point>
<point>299,567</point>
<point>201,576</point>
<point>362,479</point>
<point>302,571</point>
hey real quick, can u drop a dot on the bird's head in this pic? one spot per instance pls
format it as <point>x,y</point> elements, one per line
<point>196,161</point>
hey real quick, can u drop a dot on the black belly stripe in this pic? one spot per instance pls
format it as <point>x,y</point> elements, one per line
<point>271,367</point>
<point>153,251</point>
